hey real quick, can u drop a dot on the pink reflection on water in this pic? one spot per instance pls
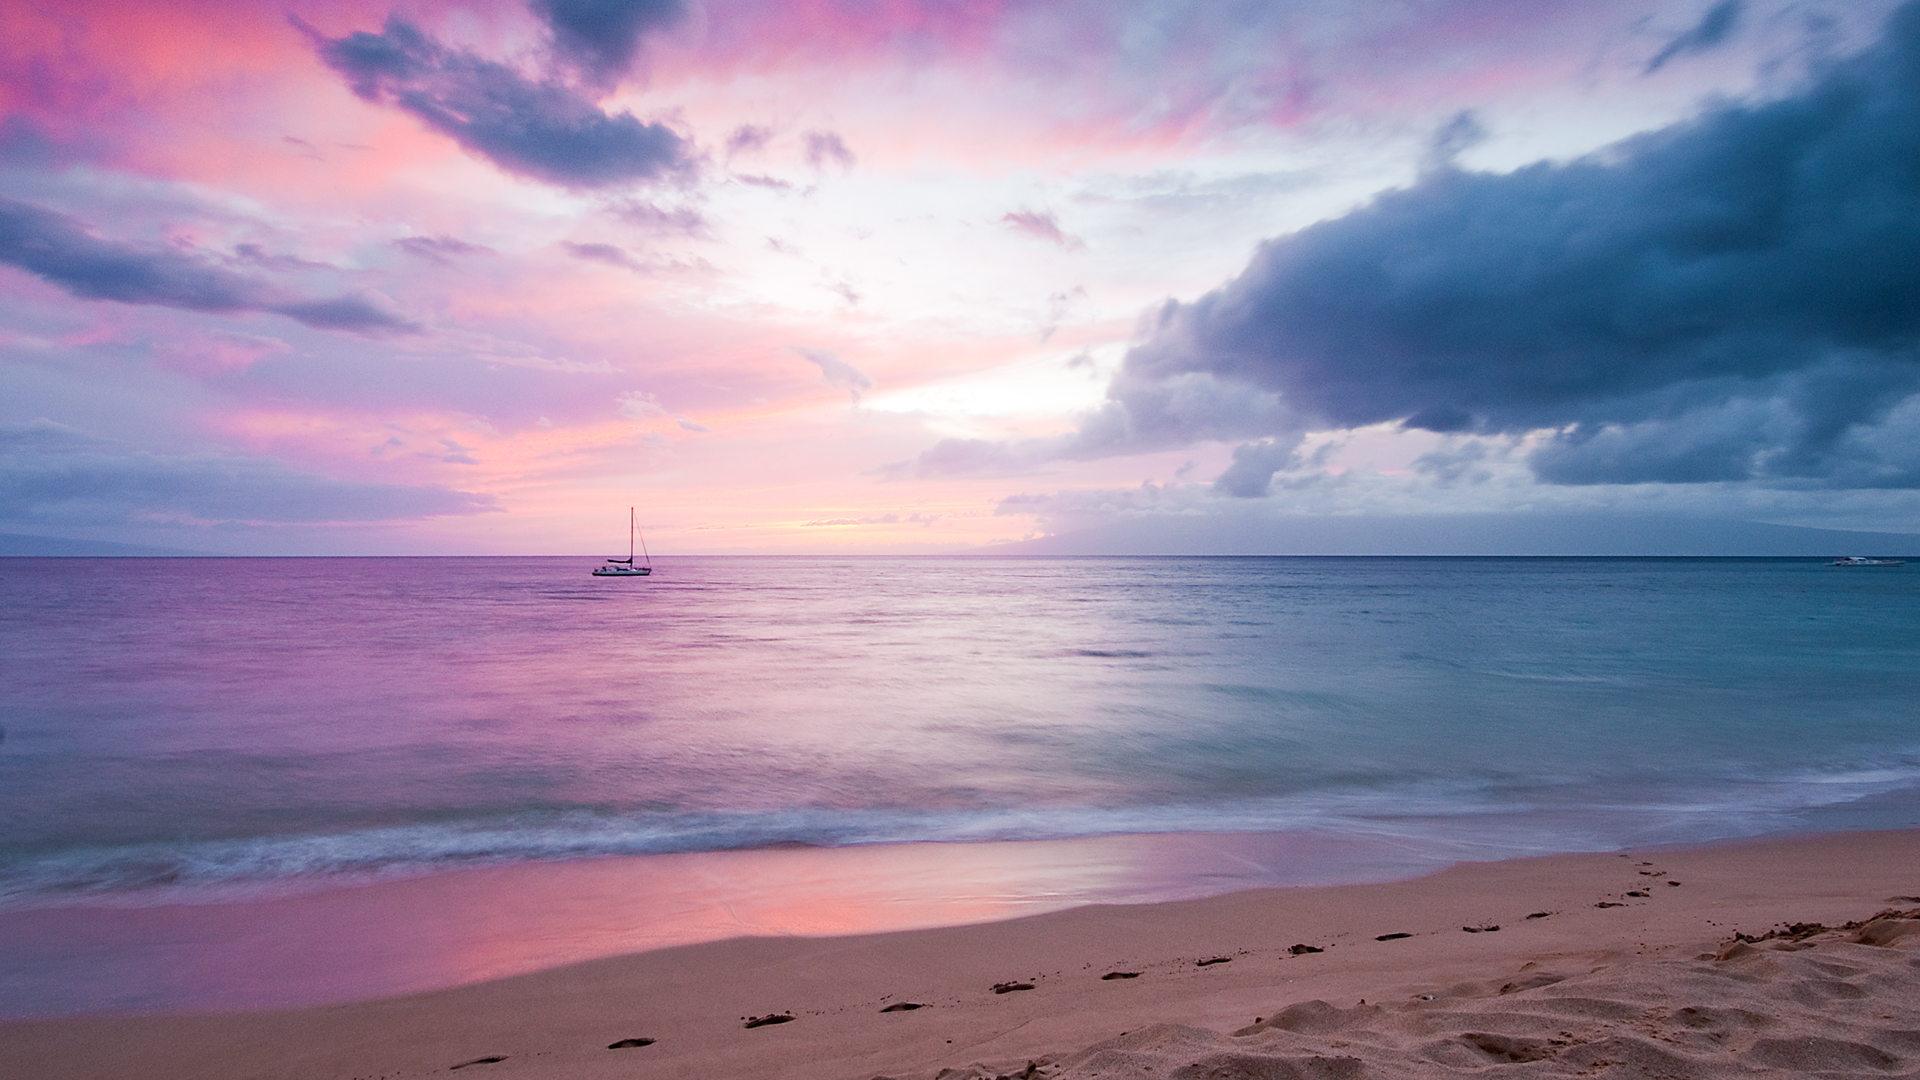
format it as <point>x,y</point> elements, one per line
<point>466,926</point>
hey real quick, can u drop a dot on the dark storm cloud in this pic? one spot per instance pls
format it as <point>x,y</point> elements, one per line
<point>50,473</point>
<point>1732,298</point>
<point>600,37</point>
<point>1713,29</point>
<point>60,249</point>
<point>543,130</point>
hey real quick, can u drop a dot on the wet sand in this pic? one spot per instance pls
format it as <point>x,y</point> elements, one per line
<point>1593,965</point>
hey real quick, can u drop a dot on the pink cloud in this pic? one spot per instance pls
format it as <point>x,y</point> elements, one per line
<point>1042,226</point>
<point>213,128</point>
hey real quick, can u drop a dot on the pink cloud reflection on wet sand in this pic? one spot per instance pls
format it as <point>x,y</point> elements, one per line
<point>451,929</point>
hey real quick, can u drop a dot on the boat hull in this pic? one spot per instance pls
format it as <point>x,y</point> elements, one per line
<point>622,572</point>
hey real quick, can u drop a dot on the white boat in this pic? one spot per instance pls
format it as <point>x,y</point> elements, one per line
<point>626,567</point>
<point>1861,560</point>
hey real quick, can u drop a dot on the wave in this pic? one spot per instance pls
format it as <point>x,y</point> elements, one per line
<point>1469,819</point>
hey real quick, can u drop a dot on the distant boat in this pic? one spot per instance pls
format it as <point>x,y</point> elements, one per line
<point>625,567</point>
<point>1861,560</point>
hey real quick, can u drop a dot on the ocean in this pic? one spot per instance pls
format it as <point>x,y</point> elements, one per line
<point>201,743</point>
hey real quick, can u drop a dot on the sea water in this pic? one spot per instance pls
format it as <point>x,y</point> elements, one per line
<point>214,731</point>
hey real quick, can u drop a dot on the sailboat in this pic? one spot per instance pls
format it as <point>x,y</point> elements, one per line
<point>626,567</point>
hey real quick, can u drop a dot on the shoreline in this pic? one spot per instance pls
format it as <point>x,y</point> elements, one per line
<point>300,942</point>
<point>693,1000</point>
<point>176,951</point>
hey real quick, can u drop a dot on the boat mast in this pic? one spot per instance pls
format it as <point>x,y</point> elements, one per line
<point>630,528</point>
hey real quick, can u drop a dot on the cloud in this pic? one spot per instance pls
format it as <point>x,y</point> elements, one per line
<point>62,250</point>
<point>1057,305</point>
<point>1455,137</point>
<point>356,313</point>
<point>1733,298</point>
<point>975,457</point>
<point>610,254</point>
<point>882,519</point>
<point>771,182</point>
<point>836,371</point>
<point>439,249</point>
<point>825,148</point>
<point>215,351</point>
<point>748,138</point>
<point>53,474</point>
<point>1251,474</point>
<point>542,130</point>
<point>678,220</point>
<point>1139,416</point>
<point>640,405</point>
<point>614,255</point>
<point>1713,29</point>
<point>1463,462</point>
<point>1075,509</point>
<point>255,255</point>
<point>599,38</point>
<point>1042,226</point>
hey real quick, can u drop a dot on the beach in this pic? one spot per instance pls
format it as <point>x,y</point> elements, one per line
<point>1622,963</point>
<point>333,818</point>
<point>1269,541</point>
<point>1257,541</point>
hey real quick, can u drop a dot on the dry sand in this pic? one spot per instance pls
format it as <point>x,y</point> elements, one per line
<point>1601,965</point>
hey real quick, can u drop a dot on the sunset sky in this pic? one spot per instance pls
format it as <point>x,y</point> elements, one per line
<point>903,275</point>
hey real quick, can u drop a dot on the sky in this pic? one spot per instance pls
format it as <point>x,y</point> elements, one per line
<point>895,276</point>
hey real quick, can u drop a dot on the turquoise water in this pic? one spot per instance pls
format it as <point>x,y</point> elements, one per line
<point>220,724</point>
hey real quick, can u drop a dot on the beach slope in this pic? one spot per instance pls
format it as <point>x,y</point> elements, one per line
<point>1635,964</point>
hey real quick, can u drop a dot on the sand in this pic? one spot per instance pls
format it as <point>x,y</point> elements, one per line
<point>1591,965</point>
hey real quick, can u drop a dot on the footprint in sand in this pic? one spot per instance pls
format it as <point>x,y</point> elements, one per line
<point>1608,903</point>
<point>626,1043</point>
<point>1302,950</point>
<point>903,1006</point>
<point>1111,975</point>
<point>1211,960</point>
<point>477,1061</point>
<point>770,1018</point>
<point>1543,914</point>
<point>1483,928</point>
<point>1391,937</point>
<point>1010,987</point>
